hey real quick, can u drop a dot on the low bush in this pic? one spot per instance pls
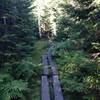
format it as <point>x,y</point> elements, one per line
<point>79,75</point>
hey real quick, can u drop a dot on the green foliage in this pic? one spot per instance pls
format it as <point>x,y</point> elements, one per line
<point>78,35</point>
<point>18,29</point>
<point>96,46</point>
<point>79,74</point>
<point>79,21</point>
<point>27,70</point>
<point>12,89</point>
<point>66,46</point>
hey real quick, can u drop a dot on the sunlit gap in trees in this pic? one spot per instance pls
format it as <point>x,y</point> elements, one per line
<point>97,2</point>
<point>48,5</point>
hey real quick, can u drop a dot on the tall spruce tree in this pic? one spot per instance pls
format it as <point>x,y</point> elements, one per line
<point>80,19</point>
<point>78,29</point>
<point>18,27</point>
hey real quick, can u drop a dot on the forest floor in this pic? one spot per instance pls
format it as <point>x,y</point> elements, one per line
<point>40,48</point>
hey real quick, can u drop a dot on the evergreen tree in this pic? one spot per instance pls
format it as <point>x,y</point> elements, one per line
<point>80,20</point>
<point>18,27</point>
<point>78,37</point>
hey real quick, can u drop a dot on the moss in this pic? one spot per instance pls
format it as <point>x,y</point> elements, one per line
<point>40,48</point>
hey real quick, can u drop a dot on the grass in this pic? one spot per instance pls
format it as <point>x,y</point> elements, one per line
<point>40,48</point>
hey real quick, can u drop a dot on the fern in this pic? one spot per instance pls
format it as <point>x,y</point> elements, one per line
<point>13,89</point>
<point>26,69</point>
<point>79,74</point>
<point>4,77</point>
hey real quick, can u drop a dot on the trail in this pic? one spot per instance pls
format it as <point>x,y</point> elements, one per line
<point>50,84</point>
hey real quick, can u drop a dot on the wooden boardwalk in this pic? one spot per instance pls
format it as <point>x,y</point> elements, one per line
<point>50,84</point>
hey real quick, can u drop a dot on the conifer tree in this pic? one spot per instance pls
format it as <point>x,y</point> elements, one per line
<point>18,27</point>
<point>80,19</point>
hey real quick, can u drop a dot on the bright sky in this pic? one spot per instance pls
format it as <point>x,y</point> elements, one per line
<point>97,1</point>
<point>49,3</point>
<point>40,4</point>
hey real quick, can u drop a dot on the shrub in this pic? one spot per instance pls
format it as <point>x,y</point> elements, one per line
<point>79,74</point>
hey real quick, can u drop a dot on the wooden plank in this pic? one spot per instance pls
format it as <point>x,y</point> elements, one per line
<point>45,95</point>
<point>45,65</point>
<point>45,70</point>
<point>49,58</point>
<point>44,59</point>
<point>57,89</point>
<point>54,68</point>
<point>52,65</point>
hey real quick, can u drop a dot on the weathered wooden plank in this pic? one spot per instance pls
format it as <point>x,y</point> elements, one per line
<point>45,95</point>
<point>57,89</point>
<point>45,70</point>
<point>54,68</point>
<point>52,65</point>
<point>44,59</point>
<point>45,65</point>
<point>49,58</point>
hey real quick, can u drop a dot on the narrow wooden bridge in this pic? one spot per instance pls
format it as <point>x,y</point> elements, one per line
<point>50,84</point>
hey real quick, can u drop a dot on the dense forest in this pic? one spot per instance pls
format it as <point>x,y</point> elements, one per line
<point>72,27</point>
